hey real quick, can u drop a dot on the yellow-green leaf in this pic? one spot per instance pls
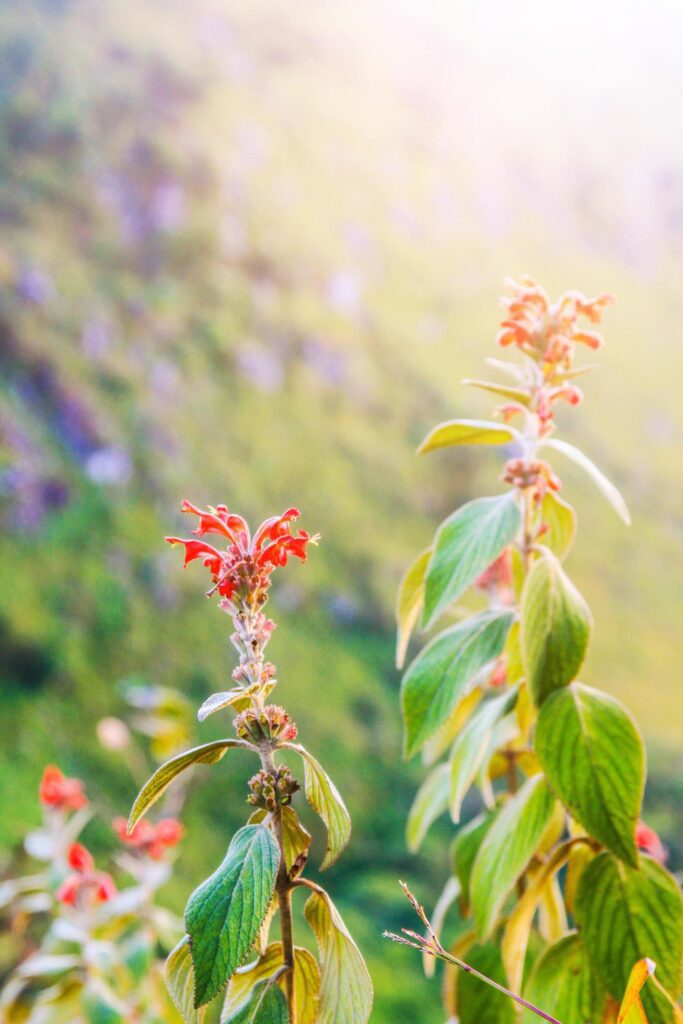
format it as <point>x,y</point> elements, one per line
<point>458,432</point>
<point>409,603</point>
<point>555,628</point>
<point>471,745</point>
<point>505,391</point>
<point>640,972</point>
<point>324,798</point>
<point>564,984</point>
<point>430,802</point>
<point>179,975</point>
<point>208,753</point>
<point>345,986</point>
<point>597,476</point>
<point>560,518</point>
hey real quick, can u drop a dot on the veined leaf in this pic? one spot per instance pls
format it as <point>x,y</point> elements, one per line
<point>507,849</point>
<point>442,739</point>
<point>560,519</point>
<point>224,914</point>
<point>296,838</point>
<point>464,850</point>
<point>324,798</point>
<point>235,698</point>
<point>555,628</point>
<point>430,803</point>
<point>640,972</point>
<point>457,432</point>
<point>597,476</point>
<point>511,394</point>
<point>593,757</point>
<point>625,915</point>
<point>267,1005</point>
<point>409,602</point>
<point>208,753</point>
<point>345,986</point>
<point>444,671</point>
<point>564,983</point>
<point>179,974</point>
<point>465,546</point>
<point>471,745</point>
<point>245,979</point>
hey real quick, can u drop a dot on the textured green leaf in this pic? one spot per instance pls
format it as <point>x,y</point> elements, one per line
<point>430,802</point>
<point>324,798</point>
<point>593,757</point>
<point>296,838</point>
<point>555,628</point>
<point>464,850</point>
<point>507,849</point>
<point>444,672</point>
<point>560,518</point>
<point>224,914</point>
<point>465,545</point>
<point>409,601</point>
<point>471,745</point>
<point>504,390</point>
<point>597,476</point>
<point>625,915</point>
<point>565,984</point>
<point>179,974</point>
<point>345,986</point>
<point>208,753</point>
<point>477,1002</point>
<point>267,1005</point>
<point>457,432</point>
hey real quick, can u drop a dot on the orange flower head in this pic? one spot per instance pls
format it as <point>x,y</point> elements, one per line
<point>60,792</point>
<point>148,839</point>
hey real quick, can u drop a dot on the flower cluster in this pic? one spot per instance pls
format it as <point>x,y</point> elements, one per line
<point>548,331</point>
<point>532,474</point>
<point>59,792</point>
<point>148,839</point>
<point>241,572</point>
<point>271,723</point>
<point>85,887</point>
<point>270,789</point>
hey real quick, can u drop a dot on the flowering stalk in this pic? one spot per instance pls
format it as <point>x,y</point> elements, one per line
<point>229,915</point>
<point>560,766</point>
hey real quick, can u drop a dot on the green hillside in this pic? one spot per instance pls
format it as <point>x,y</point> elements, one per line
<point>247,254</point>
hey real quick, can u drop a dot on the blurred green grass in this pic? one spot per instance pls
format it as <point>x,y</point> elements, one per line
<point>247,256</point>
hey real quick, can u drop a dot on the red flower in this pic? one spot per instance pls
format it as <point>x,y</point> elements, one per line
<point>85,885</point>
<point>57,791</point>
<point>499,573</point>
<point>148,839</point>
<point>649,842</point>
<point>242,570</point>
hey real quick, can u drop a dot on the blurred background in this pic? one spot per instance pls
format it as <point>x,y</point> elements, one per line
<point>248,250</point>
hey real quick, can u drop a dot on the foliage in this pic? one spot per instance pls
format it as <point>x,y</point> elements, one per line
<point>559,765</point>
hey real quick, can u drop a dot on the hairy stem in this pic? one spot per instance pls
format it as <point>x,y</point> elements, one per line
<point>283,891</point>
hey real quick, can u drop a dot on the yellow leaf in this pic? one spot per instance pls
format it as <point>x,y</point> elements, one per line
<point>640,972</point>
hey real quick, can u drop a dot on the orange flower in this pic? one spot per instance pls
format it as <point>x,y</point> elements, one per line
<point>85,886</point>
<point>57,791</point>
<point>150,840</point>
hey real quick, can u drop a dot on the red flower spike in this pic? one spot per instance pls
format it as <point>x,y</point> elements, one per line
<point>150,840</point>
<point>56,790</point>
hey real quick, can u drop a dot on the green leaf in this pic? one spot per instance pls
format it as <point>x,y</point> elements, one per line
<point>625,915</point>
<point>507,849</point>
<point>555,628</point>
<point>465,545</point>
<point>560,518</point>
<point>479,1003</point>
<point>470,747</point>
<point>409,601</point>
<point>345,986</point>
<point>430,802</point>
<point>179,974</point>
<point>564,984</point>
<point>458,432</point>
<point>224,914</point>
<point>464,850</point>
<point>593,757</point>
<point>597,476</point>
<point>208,753</point>
<point>505,391</point>
<point>444,672</point>
<point>267,1005</point>
<point>236,698</point>
<point>324,798</point>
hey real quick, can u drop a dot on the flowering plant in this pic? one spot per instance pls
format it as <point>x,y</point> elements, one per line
<point>229,916</point>
<point>563,885</point>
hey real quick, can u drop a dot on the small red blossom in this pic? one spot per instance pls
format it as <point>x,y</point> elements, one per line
<point>150,840</point>
<point>85,885</point>
<point>60,792</point>
<point>649,842</point>
<point>241,571</point>
<point>499,573</point>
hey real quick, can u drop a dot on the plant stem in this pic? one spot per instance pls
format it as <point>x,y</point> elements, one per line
<point>443,955</point>
<point>283,890</point>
